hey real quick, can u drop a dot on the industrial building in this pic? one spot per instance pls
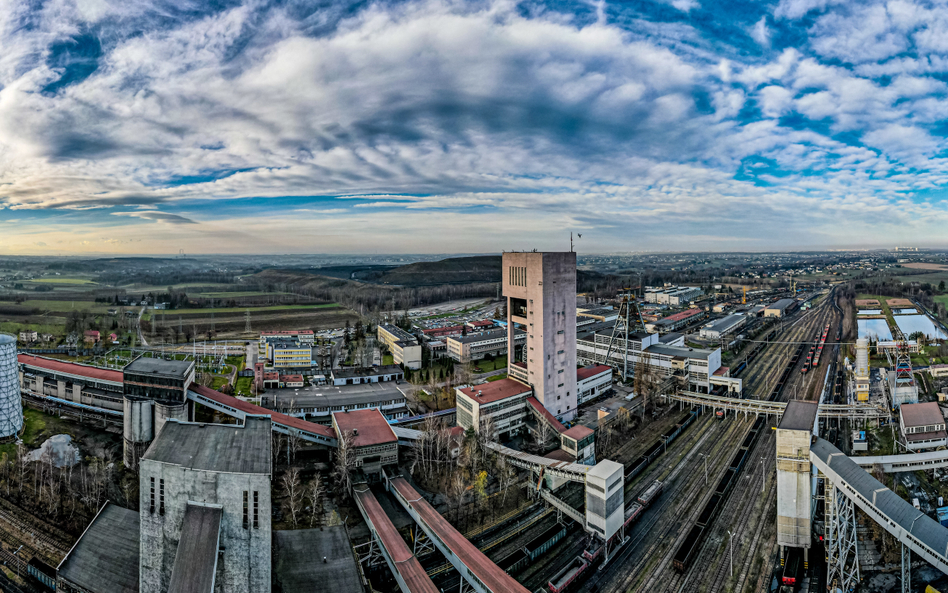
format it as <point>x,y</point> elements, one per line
<point>923,426</point>
<point>372,441</point>
<point>691,368</point>
<point>503,401</point>
<point>781,308</point>
<point>674,296</point>
<point>404,347</point>
<point>155,390</point>
<point>676,321</point>
<point>722,327</point>
<point>603,314</point>
<point>860,383</point>
<point>794,502</point>
<point>11,406</point>
<point>541,298</point>
<point>473,347</point>
<point>359,375</point>
<point>593,381</point>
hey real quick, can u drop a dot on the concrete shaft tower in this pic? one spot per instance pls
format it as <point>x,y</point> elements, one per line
<point>861,370</point>
<point>541,298</point>
<point>794,505</point>
<point>11,407</point>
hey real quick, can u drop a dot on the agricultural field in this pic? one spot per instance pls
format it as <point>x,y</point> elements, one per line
<point>241,310</point>
<point>66,306</point>
<point>932,278</point>
<point>65,281</point>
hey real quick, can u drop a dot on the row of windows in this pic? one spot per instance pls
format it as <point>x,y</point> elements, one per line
<point>161,496</point>
<point>256,509</point>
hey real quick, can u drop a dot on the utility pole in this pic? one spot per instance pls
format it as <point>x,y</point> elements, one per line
<point>705,468</point>
<point>731,546</point>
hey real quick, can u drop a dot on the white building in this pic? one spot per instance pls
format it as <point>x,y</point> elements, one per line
<point>722,327</point>
<point>593,381</point>
<point>923,426</point>
<point>674,296</point>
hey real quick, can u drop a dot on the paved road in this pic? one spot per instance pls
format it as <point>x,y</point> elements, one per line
<point>141,336</point>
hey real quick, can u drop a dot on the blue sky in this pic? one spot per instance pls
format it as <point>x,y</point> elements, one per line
<point>450,126</point>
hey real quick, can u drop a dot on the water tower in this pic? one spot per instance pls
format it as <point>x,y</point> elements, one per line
<point>11,408</point>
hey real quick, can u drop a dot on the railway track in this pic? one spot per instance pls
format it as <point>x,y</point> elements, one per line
<point>763,377</point>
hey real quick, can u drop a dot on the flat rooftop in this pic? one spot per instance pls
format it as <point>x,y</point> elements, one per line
<point>368,426</point>
<point>196,558</point>
<point>397,332</point>
<point>320,396</point>
<point>799,415</point>
<point>781,305</point>
<point>923,414</point>
<point>298,561</point>
<point>488,335</point>
<point>70,368</point>
<point>353,372</point>
<point>106,556</point>
<point>591,371</point>
<point>679,351</point>
<point>214,447</point>
<point>176,369</point>
<point>495,391</point>
<point>725,323</point>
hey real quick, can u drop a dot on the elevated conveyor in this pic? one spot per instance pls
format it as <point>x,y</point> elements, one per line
<point>474,567</point>
<point>764,407</point>
<point>907,462</point>
<point>406,569</point>
<point>914,529</point>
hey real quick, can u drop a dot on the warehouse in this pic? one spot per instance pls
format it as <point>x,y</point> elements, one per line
<point>358,375</point>
<point>781,308</point>
<point>722,327</point>
<point>676,321</point>
<point>674,296</point>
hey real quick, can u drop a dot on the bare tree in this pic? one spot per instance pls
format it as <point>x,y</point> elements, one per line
<point>293,492</point>
<point>506,475</point>
<point>315,491</point>
<point>293,444</point>
<point>647,380</point>
<point>345,462</point>
<point>545,437</point>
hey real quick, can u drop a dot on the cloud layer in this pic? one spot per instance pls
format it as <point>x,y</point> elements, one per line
<point>314,127</point>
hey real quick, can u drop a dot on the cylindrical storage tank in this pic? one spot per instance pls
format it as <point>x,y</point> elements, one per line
<point>165,412</point>
<point>11,406</point>
<point>138,428</point>
<point>862,357</point>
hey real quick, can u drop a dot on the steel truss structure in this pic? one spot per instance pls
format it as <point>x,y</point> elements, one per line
<point>842,559</point>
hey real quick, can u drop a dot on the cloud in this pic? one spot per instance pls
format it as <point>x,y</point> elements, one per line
<point>664,120</point>
<point>157,216</point>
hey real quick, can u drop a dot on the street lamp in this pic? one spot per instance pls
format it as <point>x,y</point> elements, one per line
<point>763,476</point>
<point>17,561</point>
<point>731,546</point>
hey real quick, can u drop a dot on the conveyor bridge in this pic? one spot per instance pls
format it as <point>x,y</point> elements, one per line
<point>764,407</point>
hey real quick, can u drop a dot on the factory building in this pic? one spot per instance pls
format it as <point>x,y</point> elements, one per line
<point>923,426</point>
<point>372,441</point>
<point>692,368</point>
<point>794,498</point>
<point>722,327</point>
<point>473,347</point>
<point>602,314</point>
<point>360,375</point>
<point>203,522</point>
<point>11,407</point>
<point>593,381</point>
<point>504,402</point>
<point>675,296</point>
<point>155,391</point>
<point>404,347</point>
<point>861,371</point>
<point>70,381</point>
<point>541,298</point>
<point>781,308</point>
<point>676,321</point>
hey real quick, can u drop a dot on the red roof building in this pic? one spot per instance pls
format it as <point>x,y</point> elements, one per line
<point>91,335</point>
<point>592,371</point>
<point>487,393</point>
<point>368,427</point>
<point>70,368</point>
<point>440,332</point>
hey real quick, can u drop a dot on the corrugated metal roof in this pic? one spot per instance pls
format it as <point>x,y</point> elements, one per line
<point>106,556</point>
<point>196,559</point>
<point>71,368</point>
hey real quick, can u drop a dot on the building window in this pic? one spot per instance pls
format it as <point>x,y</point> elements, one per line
<point>256,506</point>
<point>246,523</point>
<point>152,509</point>
<point>161,496</point>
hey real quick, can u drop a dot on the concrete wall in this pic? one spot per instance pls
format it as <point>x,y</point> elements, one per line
<point>793,488</point>
<point>244,566</point>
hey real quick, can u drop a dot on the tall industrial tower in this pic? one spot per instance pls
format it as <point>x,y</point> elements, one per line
<point>11,407</point>
<point>861,370</point>
<point>541,298</point>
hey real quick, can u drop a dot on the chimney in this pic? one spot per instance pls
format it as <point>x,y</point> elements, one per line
<point>355,432</point>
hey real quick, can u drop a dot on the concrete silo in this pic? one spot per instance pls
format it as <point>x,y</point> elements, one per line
<point>11,407</point>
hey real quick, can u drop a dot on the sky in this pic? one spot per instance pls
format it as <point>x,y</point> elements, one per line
<point>446,126</point>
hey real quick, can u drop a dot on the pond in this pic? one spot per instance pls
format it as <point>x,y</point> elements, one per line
<point>876,329</point>
<point>904,311</point>
<point>909,324</point>
<point>870,312</point>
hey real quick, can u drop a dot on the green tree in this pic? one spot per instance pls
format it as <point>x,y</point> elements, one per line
<point>941,286</point>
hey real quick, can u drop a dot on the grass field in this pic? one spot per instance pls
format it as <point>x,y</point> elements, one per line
<point>208,310</point>
<point>388,359</point>
<point>497,377</point>
<point>66,306</point>
<point>933,278</point>
<point>490,365</point>
<point>14,327</point>
<point>243,385</point>
<point>942,298</point>
<point>72,281</point>
<point>230,295</point>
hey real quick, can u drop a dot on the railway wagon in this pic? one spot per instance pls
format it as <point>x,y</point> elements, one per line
<point>42,572</point>
<point>567,575</point>
<point>545,541</point>
<point>793,568</point>
<point>707,515</point>
<point>650,494</point>
<point>738,461</point>
<point>633,512</point>
<point>688,549</point>
<point>515,561</point>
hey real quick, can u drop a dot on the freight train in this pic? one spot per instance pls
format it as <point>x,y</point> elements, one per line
<point>570,573</point>
<point>639,465</point>
<point>692,543</point>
